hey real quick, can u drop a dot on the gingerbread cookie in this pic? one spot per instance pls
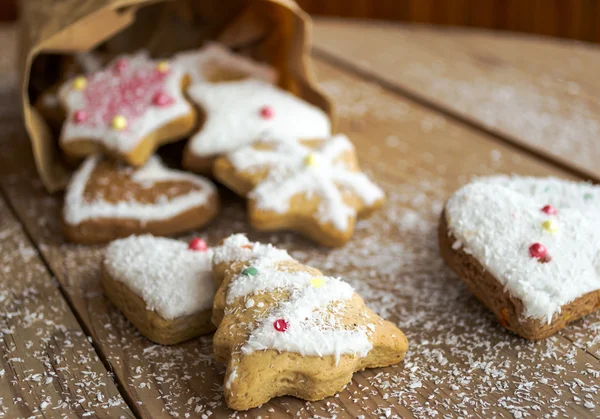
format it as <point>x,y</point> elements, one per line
<point>107,200</point>
<point>214,63</point>
<point>287,329</point>
<point>126,110</point>
<point>239,113</point>
<point>165,287</point>
<point>528,248</point>
<point>312,186</point>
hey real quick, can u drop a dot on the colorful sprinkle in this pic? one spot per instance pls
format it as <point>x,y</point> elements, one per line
<point>246,246</point>
<point>250,271</point>
<point>121,65</point>
<point>588,196</point>
<point>311,160</point>
<point>550,226</point>
<point>163,66</point>
<point>79,83</point>
<point>198,245</point>
<point>266,112</point>
<point>280,325</point>
<point>80,116</point>
<point>537,250</point>
<point>119,123</point>
<point>317,281</point>
<point>162,99</point>
<point>549,209</point>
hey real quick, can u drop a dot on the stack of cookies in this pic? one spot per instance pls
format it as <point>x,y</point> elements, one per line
<point>262,142</point>
<point>282,328</point>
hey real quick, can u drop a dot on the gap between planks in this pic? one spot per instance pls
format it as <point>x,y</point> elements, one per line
<point>65,295</point>
<point>495,135</point>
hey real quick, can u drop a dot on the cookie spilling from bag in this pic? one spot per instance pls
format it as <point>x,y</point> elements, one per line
<point>126,110</point>
<point>165,287</point>
<point>528,248</point>
<point>241,112</point>
<point>106,200</point>
<point>314,187</point>
<point>286,329</point>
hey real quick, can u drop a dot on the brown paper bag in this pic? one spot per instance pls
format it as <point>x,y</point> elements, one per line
<point>272,31</point>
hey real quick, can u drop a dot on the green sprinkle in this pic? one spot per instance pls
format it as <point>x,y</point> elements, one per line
<point>547,189</point>
<point>251,271</point>
<point>588,196</point>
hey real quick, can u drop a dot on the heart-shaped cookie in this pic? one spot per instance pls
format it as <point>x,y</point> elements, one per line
<point>528,248</point>
<point>106,200</point>
<point>165,287</point>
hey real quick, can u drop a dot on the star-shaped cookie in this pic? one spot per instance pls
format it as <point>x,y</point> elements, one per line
<point>126,110</point>
<point>529,248</point>
<point>311,186</point>
<point>106,200</point>
<point>241,112</point>
<point>286,329</point>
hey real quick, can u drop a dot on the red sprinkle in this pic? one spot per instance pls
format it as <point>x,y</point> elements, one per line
<point>198,245</point>
<point>538,250</point>
<point>121,65</point>
<point>80,116</point>
<point>549,209</point>
<point>266,112</point>
<point>280,325</point>
<point>162,99</point>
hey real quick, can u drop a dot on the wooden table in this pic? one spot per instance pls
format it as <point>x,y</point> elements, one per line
<point>428,109</point>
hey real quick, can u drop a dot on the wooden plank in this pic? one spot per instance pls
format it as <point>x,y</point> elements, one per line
<point>536,92</point>
<point>460,361</point>
<point>48,368</point>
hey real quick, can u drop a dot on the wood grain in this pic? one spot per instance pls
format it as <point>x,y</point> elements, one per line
<point>48,368</point>
<point>576,19</point>
<point>460,361</point>
<point>536,93</point>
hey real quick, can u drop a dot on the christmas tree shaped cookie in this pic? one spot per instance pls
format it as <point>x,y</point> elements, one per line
<point>126,110</point>
<point>165,287</point>
<point>241,112</point>
<point>528,248</point>
<point>313,186</point>
<point>287,329</point>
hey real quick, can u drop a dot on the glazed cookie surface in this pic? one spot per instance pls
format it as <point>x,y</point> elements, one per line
<point>241,112</point>
<point>287,329</point>
<point>214,63</point>
<point>528,248</point>
<point>311,186</point>
<point>126,110</point>
<point>165,287</point>
<point>106,200</point>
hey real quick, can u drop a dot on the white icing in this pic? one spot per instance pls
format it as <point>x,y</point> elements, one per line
<point>151,118</point>
<point>77,209</point>
<point>311,310</point>
<point>497,219</point>
<point>171,279</point>
<point>197,63</point>
<point>237,247</point>
<point>234,118</point>
<point>290,175</point>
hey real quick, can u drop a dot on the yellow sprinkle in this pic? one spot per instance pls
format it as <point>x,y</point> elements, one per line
<point>119,122</point>
<point>163,66</point>
<point>317,281</point>
<point>79,83</point>
<point>311,160</point>
<point>550,226</point>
